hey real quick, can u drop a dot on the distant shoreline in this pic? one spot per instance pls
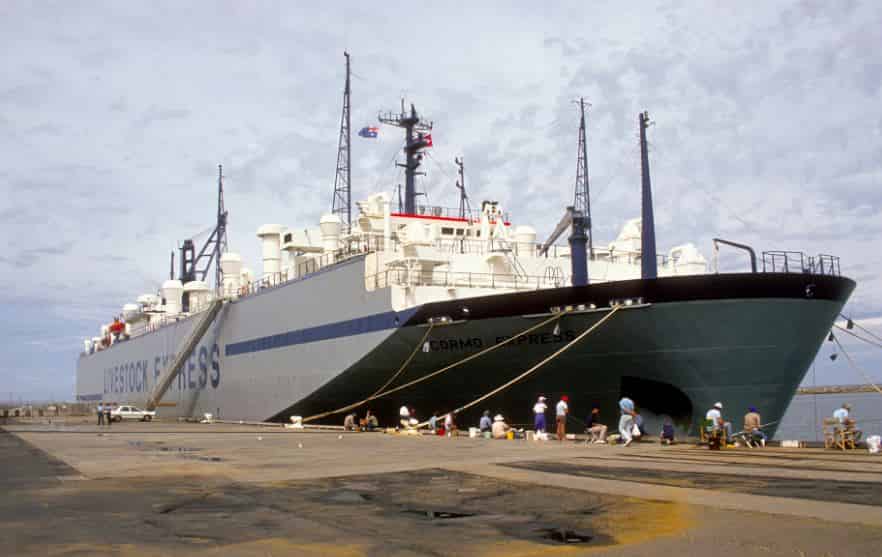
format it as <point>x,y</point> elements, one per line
<point>835,389</point>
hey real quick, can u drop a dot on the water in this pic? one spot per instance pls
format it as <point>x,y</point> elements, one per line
<point>806,410</point>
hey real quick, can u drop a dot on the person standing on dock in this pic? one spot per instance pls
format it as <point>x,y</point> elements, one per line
<point>560,414</point>
<point>539,415</point>
<point>626,422</point>
<point>100,414</point>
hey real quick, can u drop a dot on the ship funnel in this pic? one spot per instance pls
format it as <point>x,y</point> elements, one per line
<point>231,268</point>
<point>271,241</point>
<point>330,226</point>
<point>172,293</point>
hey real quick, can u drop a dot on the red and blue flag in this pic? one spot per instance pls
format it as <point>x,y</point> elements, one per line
<point>368,131</point>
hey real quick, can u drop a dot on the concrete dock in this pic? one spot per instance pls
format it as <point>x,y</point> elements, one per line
<point>189,489</point>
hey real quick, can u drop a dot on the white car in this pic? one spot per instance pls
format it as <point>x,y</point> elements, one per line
<point>125,412</point>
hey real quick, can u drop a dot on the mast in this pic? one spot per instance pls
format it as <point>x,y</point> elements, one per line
<point>220,245</point>
<point>341,205</point>
<point>649,265</point>
<point>416,139</point>
<point>464,207</point>
<point>582,203</point>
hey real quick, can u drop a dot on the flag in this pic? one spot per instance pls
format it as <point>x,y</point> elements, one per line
<point>427,139</point>
<point>368,131</point>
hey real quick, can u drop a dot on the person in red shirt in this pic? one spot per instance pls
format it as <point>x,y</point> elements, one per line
<point>117,328</point>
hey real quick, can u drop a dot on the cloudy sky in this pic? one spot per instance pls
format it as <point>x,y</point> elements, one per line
<point>114,116</point>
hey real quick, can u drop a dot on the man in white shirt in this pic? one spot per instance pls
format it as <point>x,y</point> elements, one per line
<point>841,414</point>
<point>404,414</point>
<point>560,413</point>
<point>715,414</point>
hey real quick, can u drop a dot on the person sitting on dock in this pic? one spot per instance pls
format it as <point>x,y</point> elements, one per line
<point>369,423</point>
<point>595,429</point>
<point>485,425</point>
<point>753,427</point>
<point>666,437</point>
<point>500,428</point>
<point>626,421</point>
<point>843,416</point>
<point>349,422</point>
<point>715,415</point>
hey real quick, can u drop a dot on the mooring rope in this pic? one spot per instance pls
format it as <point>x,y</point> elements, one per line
<point>860,370</point>
<point>534,368</point>
<point>434,373</point>
<point>861,327</point>
<point>380,390</point>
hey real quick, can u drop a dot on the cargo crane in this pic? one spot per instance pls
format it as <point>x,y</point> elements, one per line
<point>196,267</point>
<point>577,216</point>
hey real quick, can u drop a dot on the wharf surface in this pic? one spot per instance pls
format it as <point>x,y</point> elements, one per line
<point>166,488</point>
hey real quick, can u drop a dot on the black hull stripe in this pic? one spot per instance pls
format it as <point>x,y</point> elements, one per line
<point>655,291</point>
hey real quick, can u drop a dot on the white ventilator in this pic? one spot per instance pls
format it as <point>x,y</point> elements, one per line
<point>231,270</point>
<point>271,249</point>
<point>173,294</point>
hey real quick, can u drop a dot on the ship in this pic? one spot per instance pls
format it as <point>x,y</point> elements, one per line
<point>384,305</point>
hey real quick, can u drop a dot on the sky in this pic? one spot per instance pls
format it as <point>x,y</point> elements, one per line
<point>114,116</point>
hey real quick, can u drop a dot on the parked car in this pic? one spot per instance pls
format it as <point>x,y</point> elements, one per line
<point>126,412</point>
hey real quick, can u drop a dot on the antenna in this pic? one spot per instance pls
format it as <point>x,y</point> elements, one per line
<point>582,203</point>
<point>171,274</point>
<point>464,206</point>
<point>412,124</point>
<point>341,205</point>
<point>648,263</point>
<point>400,200</point>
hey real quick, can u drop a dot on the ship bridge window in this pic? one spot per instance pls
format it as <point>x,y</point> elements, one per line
<point>460,231</point>
<point>287,237</point>
<point>447,231</point>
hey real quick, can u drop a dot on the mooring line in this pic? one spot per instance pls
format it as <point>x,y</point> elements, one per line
<point>434,373</point>
<point>534,368</point>
<point>860,370</point>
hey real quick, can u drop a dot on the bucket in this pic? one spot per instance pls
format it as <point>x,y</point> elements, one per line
<point>510,435</point>
<point>473,432</point>
<point>487,435</point>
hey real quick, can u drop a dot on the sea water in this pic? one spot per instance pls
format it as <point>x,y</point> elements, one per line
<point>804,417</point>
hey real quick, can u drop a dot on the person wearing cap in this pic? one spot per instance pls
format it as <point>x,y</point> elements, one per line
<point>560,414</point>
<point>485,424</point>
<point>752,425</point>
<point>715,415</point>
<point>499,428</point>
<point>539,415</point>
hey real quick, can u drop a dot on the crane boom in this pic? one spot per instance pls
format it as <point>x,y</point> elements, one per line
<point>561,227</point>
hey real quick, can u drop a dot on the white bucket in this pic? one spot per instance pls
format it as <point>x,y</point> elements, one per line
<point>297,422</point>
<point>473,432</point>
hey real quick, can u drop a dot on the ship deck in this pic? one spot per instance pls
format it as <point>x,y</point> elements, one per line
<point>171,488</point>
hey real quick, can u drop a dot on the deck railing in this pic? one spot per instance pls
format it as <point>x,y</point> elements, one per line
<point>798,262</point>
